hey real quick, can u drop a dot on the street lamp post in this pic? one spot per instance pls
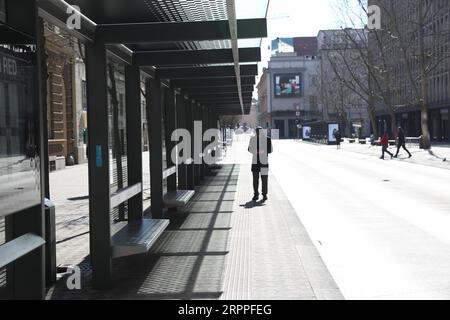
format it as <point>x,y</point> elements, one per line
<point>298,114</point>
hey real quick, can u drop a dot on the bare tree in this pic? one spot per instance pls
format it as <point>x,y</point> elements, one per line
<point>413,33</point>
<point>350,70</point>
<point>364,60</point>
<point>344,81</point>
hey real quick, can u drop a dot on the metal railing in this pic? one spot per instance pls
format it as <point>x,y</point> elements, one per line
<point>320,139</point>
<point>413,142</point>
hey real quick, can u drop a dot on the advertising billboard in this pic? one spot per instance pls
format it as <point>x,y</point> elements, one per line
<point>332,128</point>
<point>287,85</point>
<point>306,133</point>
<point>19,157</point>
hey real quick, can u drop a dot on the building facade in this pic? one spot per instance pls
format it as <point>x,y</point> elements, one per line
<point>61,124</point>
<point>251,120</point>
<point>67,100</point>
<point>80,103</point>
<point>344,80</point>
<point>287,90</point>
<point>402,53</point>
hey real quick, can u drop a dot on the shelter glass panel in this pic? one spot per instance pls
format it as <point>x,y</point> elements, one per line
<point>117,135</point>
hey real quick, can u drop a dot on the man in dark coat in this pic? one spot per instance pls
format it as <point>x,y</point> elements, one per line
<point>260,147</point>
<point>338,136</point>
<point>401,142</point>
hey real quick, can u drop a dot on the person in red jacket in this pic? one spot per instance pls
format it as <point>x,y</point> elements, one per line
<point>385,145</point>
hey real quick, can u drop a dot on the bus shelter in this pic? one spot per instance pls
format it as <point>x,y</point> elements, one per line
<point>193,61</point>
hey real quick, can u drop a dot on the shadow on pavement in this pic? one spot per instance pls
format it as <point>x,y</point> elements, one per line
<point>187,261</point>
<point>78,198</point>
<point>253,204</point>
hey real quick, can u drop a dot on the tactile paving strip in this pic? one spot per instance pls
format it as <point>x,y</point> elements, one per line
<point>271,254</point>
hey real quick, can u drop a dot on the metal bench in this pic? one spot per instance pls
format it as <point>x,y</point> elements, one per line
<point>391,143</point>
<point>178,198</point>
<point>413,142</point>
<point>137,237</point>
<point>19,247</point>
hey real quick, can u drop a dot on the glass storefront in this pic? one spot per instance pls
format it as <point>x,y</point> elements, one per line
<point>280,125</point>
<point>293,129</point>
<point>411,123</point>
<point>19,160</point>
<point>445,125</point>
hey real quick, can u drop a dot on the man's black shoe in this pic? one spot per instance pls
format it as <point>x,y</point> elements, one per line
<point>264,198</point>
<point>255,198</point>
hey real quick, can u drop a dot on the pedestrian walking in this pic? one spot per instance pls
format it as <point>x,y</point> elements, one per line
<point>385,145</point>
<point>401,142</point>
<point>338,136</point>
<point>260,147</point>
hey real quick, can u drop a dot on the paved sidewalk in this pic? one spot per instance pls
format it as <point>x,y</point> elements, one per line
<point>70,193</point>
<point>219,247</point>
<point>422,157</point>
<point>188,260</point>
<point>271,255</point>
<point>380,226</point>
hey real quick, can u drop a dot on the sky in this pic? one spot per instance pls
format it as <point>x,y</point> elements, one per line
<point>297,18</point>
<point>288,18</point>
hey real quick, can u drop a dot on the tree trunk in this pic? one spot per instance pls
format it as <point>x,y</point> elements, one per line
<point>393,124</point>
<point>426,136</point>
<point>423,103</point>
<point>373,121</point>
<point>371,101</point>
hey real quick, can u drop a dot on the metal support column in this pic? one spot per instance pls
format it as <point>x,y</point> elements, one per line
<point>204,144</point>
<point>198,143</point>
<point>171,123</point>
<point>181,105</point>
<point>98,153</point>
<point>156,152</point>
<point>134,138</point>
<point>208,127</point>
<point>190,128</point>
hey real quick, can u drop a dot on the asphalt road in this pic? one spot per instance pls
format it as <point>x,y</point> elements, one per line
<point>382,227</point>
